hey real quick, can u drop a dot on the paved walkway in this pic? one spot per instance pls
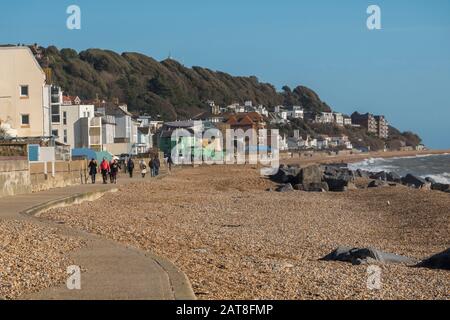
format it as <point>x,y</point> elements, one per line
<point>113,271</point>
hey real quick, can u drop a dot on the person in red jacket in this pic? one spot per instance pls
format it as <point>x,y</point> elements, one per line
<point>104,168</point>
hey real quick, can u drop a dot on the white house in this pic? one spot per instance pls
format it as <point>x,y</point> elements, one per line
<point>295,112</point>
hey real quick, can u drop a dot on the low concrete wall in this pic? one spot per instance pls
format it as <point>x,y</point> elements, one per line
<point>66,173</point>
<point>14,178</point>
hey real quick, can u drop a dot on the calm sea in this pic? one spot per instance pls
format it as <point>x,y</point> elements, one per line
<point>433,166</point>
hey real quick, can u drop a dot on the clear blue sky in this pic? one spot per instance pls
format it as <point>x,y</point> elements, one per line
<point>402,71</point>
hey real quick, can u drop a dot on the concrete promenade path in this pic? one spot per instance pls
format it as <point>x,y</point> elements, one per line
<point>109,270</point>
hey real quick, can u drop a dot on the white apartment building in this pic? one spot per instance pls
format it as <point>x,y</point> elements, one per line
<point>90,134</point>
<point>325,117</point>
<point>66,119</point>
<point>296,112</point>
<point>262,110</point>
<point>347,121</point>
<point>338,118</point>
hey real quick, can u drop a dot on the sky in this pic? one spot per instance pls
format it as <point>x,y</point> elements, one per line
<point>401,71</point>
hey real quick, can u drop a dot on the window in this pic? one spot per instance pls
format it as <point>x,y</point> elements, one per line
<point>64,117</point>
<point>24,91</point>
<point>55,133</point>
<point>56,117</point>
<point>25,119</point>
<point>65,135</point>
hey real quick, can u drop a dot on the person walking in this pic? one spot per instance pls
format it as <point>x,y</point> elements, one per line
<point>130,167</point>
<point>93,167</point>
<point>143,168</point>
<point>151,166</point>
<point>105,168</point>
<point>115,167</point>
<point>169,163</point>
<point>156,165</point>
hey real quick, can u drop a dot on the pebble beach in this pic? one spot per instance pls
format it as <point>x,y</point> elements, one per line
<point>33,257</point>
<point>236,240</point>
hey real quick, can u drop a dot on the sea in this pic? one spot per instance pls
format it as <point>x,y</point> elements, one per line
<point>436,167</point>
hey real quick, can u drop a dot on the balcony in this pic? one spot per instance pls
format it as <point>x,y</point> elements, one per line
<point>95,140</point>
<point>95,122</point>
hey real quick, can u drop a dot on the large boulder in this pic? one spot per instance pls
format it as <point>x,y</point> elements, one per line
<point>393,177</point>
<point>334,169</point>
<point>430,180</point>
<point>359,256</point>
<point>437,261</point>
<point>338,183</point>
<point>338,177</point>
<point>440,187</point>
<point>386,176</point>
<point>286,174</point>
<point>310,177</point>
<point>362,173</point>
<point>379,176</point>
<point>413,181</point>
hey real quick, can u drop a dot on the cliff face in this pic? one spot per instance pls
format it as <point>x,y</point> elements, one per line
<point>173,91</point>
<point>166,88</point>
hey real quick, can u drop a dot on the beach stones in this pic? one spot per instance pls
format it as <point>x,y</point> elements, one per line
<point>359,256</point>
<point>437,261</point>
<point>393,177</point>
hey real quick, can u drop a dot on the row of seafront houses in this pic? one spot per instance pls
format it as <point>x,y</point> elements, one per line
<point>248,116</point>
<point>32,107</point>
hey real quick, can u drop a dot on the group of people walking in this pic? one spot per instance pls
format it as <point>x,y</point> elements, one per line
<point>154,165</point>
<point>107,169</point>
<point>112,168</point>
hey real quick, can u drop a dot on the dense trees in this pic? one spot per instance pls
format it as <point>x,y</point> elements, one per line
<point>171,91</point>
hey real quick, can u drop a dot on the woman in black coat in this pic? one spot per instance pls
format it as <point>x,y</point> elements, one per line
<point>93,169</point>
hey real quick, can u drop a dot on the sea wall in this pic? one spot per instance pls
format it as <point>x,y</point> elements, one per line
<point>14,177</point>
<point>64,173</point>
<point>21,177</point>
